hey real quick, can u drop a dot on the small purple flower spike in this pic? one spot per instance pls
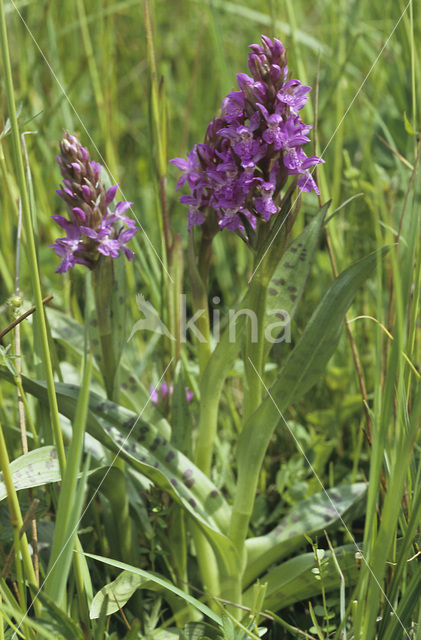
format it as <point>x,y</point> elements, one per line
<point>252,148</point>
<point>161,394</point>
<point>92,229</point>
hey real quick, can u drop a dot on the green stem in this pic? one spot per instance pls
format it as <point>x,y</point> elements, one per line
<point>254,350</point>
<point>21,542</point>
<point>30,243</point>
<point>102,283</point>
<point>200,306</point>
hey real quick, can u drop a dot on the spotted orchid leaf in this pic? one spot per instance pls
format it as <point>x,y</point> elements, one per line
<point>309,517</point>
<point>299,578</point>
<point>287,284</point>
<point>33,469</point>
<point>140,443</point>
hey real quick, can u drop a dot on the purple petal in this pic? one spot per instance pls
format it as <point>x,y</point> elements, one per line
<point>86,192</point>
<point>153,394</point>
<point>79,214</point>
<point>110,195</point>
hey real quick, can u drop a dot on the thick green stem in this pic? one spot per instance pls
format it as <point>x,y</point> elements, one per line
<point>108,281</point>
<point>207,564</point>
<point>254,350</point>
<point>200,306</point>
<point>250,460</point>
<point>30,243</point>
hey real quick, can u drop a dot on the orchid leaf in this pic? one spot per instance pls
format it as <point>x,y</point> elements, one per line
<point>287,284</point>
<point>299,578</point>
<point>33,469</point>
<point>159,582</point>
<point>151,454</point>
<point>309,517</point>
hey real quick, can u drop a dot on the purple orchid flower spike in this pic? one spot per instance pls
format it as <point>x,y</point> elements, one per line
<point>252,148</point>
<point>161,395</point>
<point>92,229</point>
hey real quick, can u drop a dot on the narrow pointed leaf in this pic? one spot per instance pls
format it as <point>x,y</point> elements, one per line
<point>161,582</point>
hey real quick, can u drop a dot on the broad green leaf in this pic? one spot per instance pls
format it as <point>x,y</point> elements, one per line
<point>295,580</point>
<point>305,364</point>
<point>33,469</point>
<point>309,517</point>
<point>199,630</point>
<point>149,453</point>
<point>307,361</point>
<point>161,582</point>
<point>289,278</point>
<point>117,593</point>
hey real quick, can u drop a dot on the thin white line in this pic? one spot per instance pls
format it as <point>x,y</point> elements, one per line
<point>90,502</point>
<point>335,132</point>
<point>62,89</point>
<point>314,472</point>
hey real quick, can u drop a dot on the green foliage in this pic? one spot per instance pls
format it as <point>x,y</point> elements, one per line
<point>223,501</point>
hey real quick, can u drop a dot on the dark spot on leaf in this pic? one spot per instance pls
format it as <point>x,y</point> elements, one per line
<point>289,266</point>
<point>124,386</point>
<point>192,502</point>
<point>281,315</point>
<point>174,482</point>
<point>293,298</point>
<point>132,380</point>
<point>155,444</point>
<point>170,455</point>
<point>121,299</point>
<point>300,244</point>
<point>279,281</point>
<point>144,428</point>
<point>279,529</point>
<point>292,289</point>
<point>156,465</point>
<point>273,292</point>
<point>293,249</point>
<point>189,482</point>
<point>214,493</point>
<point>129,424</point>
